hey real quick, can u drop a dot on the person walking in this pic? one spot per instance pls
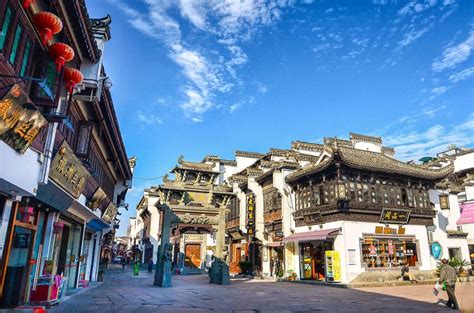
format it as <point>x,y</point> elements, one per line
<point>123,261</point>
<point>150,265</point>
<point>448,276</point>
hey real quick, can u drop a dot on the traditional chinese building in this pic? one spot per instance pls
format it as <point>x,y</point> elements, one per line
<point>64,169</point>
<point>357,209</point>
<point>199,204</point>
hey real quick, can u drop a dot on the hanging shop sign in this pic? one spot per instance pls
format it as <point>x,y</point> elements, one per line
<point>398,216</point>
<point>68,172</point>
<point>97,198</point>
<point>250,214</point>
<point>110,212</point>
<point>20,121</point>
<point>436,250</point>
<point>333,266</point>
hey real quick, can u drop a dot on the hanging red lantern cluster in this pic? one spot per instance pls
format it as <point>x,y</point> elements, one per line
<point>47,24</point>
<point>72,77</point>
<point>27,3</point>
<point>61,53</point>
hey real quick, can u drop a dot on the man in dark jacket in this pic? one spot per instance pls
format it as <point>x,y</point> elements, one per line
<point>448,275</point>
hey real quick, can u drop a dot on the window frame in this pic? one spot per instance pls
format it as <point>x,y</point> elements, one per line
<point>15,51</point>
<point>8,30</point>
<point>26,57</point>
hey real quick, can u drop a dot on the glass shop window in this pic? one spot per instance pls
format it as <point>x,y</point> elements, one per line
<point>16,43</point>
<point>5,27</point>
<point>386,252</point>
<point>26,56</point>
<point>455,253</point>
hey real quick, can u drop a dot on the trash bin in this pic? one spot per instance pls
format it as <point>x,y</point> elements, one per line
<point>136,268</point>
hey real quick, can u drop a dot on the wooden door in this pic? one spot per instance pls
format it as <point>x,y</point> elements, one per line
<point>193,255</point>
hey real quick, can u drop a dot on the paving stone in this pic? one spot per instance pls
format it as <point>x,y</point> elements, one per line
<point>119,293</point>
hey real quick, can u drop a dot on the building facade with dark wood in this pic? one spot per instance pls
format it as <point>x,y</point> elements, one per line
<point>64,169</point>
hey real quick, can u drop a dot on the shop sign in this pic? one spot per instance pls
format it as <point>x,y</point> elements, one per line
<point>436,250</point>
<point>20,121</point>
<point>333,266</point>
<point>68,172</point>
<point>278,234</point>
<point>399,216</point>
<point>251,214</point>
<point>97,198</point>
<point>109,213</point>
<point>313,219</point>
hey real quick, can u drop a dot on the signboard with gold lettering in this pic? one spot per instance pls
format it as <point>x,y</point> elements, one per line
<point>68,172</point>
<point>250,214</point>
<point>397,216</point>
<point>97,198</point>
<point>20,121</point>
<point>109,213</point>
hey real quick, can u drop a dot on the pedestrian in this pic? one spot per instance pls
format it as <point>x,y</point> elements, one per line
<point>106,261</point>
<point>406,273</point>
<point>123,263</point>
<point>448,275</point>
<point>150,265</point>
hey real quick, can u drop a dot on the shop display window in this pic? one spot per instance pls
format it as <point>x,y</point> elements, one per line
<point>388,251</point>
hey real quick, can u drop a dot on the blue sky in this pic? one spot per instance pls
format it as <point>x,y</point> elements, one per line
<point>210,77</point>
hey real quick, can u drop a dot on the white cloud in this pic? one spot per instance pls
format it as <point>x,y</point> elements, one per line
<point>149,119</point>
<point>413,35</point>
<point>262,88</point>
<point>234,107</point>
<point>462,75</point>
<point>452,56</point>
<point>417,144</point>
<point>439,90</point>
<point>206,74</point>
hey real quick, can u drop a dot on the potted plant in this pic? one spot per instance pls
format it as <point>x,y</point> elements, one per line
<point>292,275</point>
<point>458,264</point>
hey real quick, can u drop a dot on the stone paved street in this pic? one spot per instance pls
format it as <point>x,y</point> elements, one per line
<point>123,292</point>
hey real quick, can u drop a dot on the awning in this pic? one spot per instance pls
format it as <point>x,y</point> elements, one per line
<point>467,213</point>
<point>54,197</point>
<point>97,224</point>
<point>275,244</point>
<point>321,234</point>
<point>236,235</point>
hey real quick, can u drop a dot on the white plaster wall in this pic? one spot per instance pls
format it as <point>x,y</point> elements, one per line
<point>368,146</point>
<point>154,225</point>
<point>21,170</point>
<point>464,161</point>
<point>446,220</point>
<point>243,162</point>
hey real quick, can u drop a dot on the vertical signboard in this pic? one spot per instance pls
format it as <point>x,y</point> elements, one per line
<point>251,214</point>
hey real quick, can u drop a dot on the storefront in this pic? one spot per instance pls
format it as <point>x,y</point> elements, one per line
<point>23,253</point>
<point>313,246</point>
<point>277,258</point>
<point>387,251</point>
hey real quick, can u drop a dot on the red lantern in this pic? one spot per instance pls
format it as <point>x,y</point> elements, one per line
<point>27,3</point>
<point>72,77</point>
<point>47,24</point>
<point>61,54</point>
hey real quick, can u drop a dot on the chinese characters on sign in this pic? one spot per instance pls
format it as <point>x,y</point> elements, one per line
<point>395,216</point>
<point>97,198</point>
<point>20,122</point>
<point>68,172</point>
<point>251,214</point>
<point>109,213</point>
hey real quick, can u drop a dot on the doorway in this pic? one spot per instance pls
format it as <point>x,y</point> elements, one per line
<point>192,258</point>
<point>312,256</point>
<point>18,266</point>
